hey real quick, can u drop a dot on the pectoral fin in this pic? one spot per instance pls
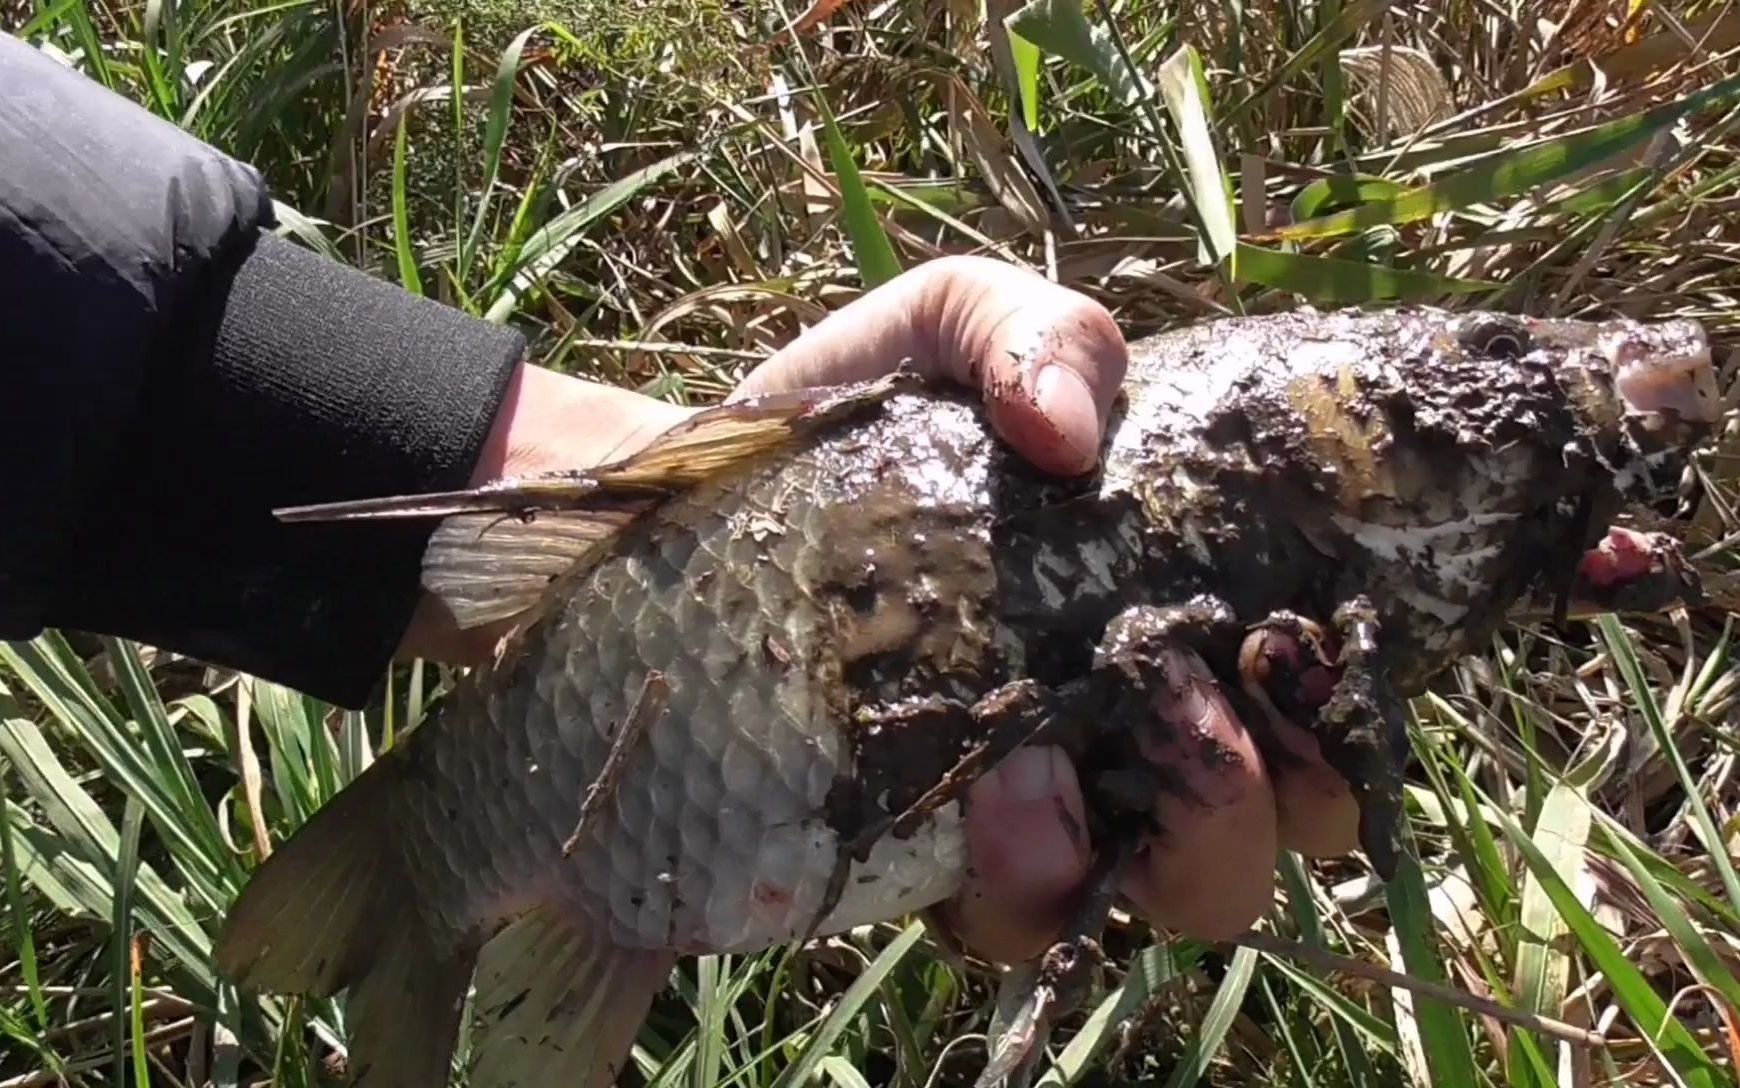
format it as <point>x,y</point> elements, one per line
<point>706,443</point>
<point>502,544</point>
<point>488,567</point>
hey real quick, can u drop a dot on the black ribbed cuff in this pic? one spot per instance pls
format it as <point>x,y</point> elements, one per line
<point>303,380</point>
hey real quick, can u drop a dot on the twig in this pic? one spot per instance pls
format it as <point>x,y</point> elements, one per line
<point>152,1008</point>
<point>666,347</point>
<point>655,692</point>
<point>1546,1025</point>
<point>42,1077</point>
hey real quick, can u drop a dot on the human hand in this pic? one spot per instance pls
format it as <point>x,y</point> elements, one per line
<point>996,328</point>
<point>1048,362</point>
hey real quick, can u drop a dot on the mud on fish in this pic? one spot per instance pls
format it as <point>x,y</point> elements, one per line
<point>761,659</point>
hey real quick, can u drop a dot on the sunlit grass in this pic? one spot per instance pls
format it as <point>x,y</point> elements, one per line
<point>660,194</point>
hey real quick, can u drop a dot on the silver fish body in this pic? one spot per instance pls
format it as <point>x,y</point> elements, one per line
<point>704,740</point>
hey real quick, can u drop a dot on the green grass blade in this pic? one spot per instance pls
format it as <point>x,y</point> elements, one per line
<point>1334,95</point>
<point>1511,172</point>
<point>409,278</point>
<point>47,866</point>
<point>1150,969</point>
<point>293,224</point>
<point>75,864</point>
<point>1185,91</point>
<point>871,250</point>
<point>1344,25</point>
<point>151,772</point>
<point>1313,198</point>
<point>1330,280</point>
<point>851,1002</point>
<point>11,1027</point>
<point>501,101</point>
<point>1618,643</point>
<point>1710,968</point>
<point>96,57</point>
<point>535,198</point>
<point>1375,1036</point>
<point>175,783</point>
<point>1447,1048</point>
<point>552,242</point>
<point>141,1066</point>
<point>1633,991</point>
<point>1543,971</point>
<point>121,930</point>
<point>1193,1063</point>
<point>1059,27</point>
<point>1026,56</point>
<point>456,111</point>
<point>841,1072</point>
<point>713,1004</point>
<point>23,942</point>
<point>1302,906</point>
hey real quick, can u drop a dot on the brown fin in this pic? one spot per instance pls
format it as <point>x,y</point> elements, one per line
<point>488,567</point>
<point>557,1007</point>
<point>309,920</point>
<point>328,912</point>
<point>502,544</point>
<point>706,443</point>
<point>404,1013</point>
<point>726,435</point>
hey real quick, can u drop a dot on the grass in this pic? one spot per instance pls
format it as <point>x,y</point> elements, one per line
<point>659,193</point>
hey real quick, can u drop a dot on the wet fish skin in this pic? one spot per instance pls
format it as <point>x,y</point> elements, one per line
<point>829,620</point>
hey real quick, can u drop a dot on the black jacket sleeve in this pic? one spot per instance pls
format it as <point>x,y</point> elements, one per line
<point>171,371</point>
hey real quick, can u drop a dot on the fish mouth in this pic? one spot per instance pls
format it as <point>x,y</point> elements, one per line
<point>1665,372</point>
<point>1627,572</point>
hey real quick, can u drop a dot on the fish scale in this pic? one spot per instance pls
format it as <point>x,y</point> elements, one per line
<point>711,870</point>
<point>785,623</point>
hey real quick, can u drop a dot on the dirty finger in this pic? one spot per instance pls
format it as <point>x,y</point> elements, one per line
<point>1210,871</point>
<point>1316,809</point>
<point>1027,856</point>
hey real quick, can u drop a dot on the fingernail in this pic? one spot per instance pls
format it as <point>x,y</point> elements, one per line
<point>1064,400</point>
<point>1027,775</point>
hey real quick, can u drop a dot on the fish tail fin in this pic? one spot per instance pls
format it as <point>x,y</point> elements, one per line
<point>328,911</point>
<point>557,1005</point>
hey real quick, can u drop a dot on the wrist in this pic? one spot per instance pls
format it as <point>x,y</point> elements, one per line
<point>548,421</point>
<point>545,422</point>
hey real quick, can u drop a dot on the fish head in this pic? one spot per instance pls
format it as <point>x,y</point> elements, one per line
<point>1648,389</point>
<point>1442,464</point>
<point>1515,443</point>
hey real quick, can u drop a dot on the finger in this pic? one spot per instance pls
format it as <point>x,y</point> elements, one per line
<point>1047,360</point>
<point>1210,873</point>
<point>1318,814</point>
<point>1027,856</point>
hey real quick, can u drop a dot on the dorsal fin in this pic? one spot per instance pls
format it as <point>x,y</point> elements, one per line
<point>502,544</point>
<point>488,567</point>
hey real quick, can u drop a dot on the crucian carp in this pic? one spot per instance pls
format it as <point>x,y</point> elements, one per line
<point>761,658</point>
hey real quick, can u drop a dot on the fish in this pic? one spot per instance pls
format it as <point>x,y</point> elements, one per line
<point>752,667</point>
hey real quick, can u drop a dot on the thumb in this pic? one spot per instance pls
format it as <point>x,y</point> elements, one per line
<point>1047,359</point>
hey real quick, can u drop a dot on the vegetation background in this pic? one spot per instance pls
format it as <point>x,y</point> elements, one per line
<point>662,192</point>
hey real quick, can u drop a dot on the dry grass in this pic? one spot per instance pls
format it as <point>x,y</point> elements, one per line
<point>1574,802</point>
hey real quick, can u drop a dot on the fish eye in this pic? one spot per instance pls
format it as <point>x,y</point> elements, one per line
<point>1497,338</point>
